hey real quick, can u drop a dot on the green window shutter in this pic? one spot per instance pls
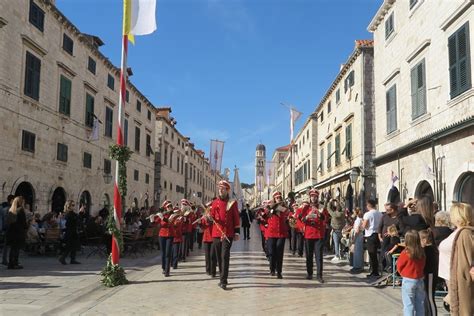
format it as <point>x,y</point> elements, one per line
<point>391,107</point>
<point>89,110</point>
<point>453,65</point>
<point>338,149</point>
<point>463,57</point>
<point>414,93</point>
<point>349,141</point>
<point>421,88</point>
<point>65,96</point>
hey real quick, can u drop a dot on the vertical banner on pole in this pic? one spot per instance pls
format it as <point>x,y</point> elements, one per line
<point>216,153</point>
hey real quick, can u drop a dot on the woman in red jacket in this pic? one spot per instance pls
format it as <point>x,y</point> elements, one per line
<point>176,221</point>
<point>276,233</point>
<point>166,239</point>
<point>314,221</point>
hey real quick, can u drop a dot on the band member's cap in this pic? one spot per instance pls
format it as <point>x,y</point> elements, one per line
<point>185,202</point>
<point>224,184</point>
<point>266,202</point>
<point>166,204</point>
<point>313,192</point>
<point>276,194</point>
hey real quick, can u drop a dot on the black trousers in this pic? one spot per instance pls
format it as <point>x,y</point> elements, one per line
<point>314,246</point>
<point>430,303</point>
<point>14,255</point>
<point>208,258</point>
<point>264,244</point>
<point>166,246</point>
<point>191,240</point>
<point>373,244</point>
<point>297,242</point>
<point>184,245</point>
<point>199,239</point>
<point>221,249</point>
<point>276,250</point>
<point>175,254</point>
<point>246,232</point>
<point>70,249</point>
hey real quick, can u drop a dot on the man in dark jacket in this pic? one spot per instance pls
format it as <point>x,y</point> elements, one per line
<point>3,226</point>
<point>71,236</point>
<point>246,219</point>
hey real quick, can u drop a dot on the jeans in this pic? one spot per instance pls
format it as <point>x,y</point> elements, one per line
<point>358,261</point>
<point>175,256</point>
<point>413,297</point>
<point>336,237</point>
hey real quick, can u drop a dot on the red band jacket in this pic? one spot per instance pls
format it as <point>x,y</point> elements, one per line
<point>226,221</point>
<point>314,225</point>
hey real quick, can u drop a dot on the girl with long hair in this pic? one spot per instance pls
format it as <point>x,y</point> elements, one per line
<point>410,265</point>
<point>16,231</point>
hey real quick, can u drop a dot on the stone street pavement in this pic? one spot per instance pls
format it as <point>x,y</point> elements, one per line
<point>51,289</point>
<point>251,290</point>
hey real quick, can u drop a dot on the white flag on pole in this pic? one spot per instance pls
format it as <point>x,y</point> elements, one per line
<point>143,17</point>
<point>294,116</point>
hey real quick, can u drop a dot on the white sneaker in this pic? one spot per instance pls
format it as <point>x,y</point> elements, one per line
<point>335,259</point>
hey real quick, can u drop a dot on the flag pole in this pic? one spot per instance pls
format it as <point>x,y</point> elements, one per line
<point>117,195</point>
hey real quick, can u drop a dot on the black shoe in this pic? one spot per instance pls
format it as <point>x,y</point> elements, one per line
<point>309,277</point>
<point>75,262</point>
<point>15,267</point>
<point>167,274</point>
<point>279,276</point>
<point>248,238</point>
<point>320,279</point>
<point>175,267</point>
<point>272,273</point>
<point>62,260</point>
<point>163,271</point>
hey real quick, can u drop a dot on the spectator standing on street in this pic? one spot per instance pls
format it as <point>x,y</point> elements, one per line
<point>338,221</point>
<point>389,218</point>
<point>246,220</point>
<point>410,265</point>
<point>16,231</point>
<point>71,235</point>
<point>442,228</point>
<point>3,226</point>
<point>358,239</point>
<point>430,271</point>
<point>371,221</point>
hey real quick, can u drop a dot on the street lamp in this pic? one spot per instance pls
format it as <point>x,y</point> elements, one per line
<point>354,175</point>
<point>107,178</point>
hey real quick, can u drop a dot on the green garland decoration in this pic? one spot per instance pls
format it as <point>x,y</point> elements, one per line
<point>114,231</point>
<point>122,154</point>
<point>113,274</point>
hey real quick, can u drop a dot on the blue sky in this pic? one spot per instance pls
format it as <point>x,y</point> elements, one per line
<point>224,66</point>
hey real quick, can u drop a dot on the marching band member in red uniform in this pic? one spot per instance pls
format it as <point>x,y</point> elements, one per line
<point>166,239</point>
<point>176,221</point>
<point>206,227</point>
<point>297,232</point>
<point>314,221</point>
<point>261,215</point>
<point>226,229</point>
<point>276,233</point>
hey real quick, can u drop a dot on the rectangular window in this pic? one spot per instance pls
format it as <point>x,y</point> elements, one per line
<point>65,96</point>
<point>329,107</point>
<point>148,145</point>
<point>36,16</point>
<point>137,139</point>
<point>389,26</point>
<point>87,161</point>
<point>418,90</point>
<point>391,104</point>
<point>165,162</point>
<point>349,141</point>
<point>109,121</point>
<point>127,96</point>
<point>337,149</point>
<point>28,141</point>
<point>110,81</point>
<point>322,116</point>
<point>177,163</point>
<point>149,116</point>
<point>125,132</point>
<point>91,65</point>
<point>68,44</point>
<point>32,76</point>
<point>89,110</point>
<point>139,106</point>
<point>62,152</point>
<point>329,156</point>
<point>107,166</point>
<point>135,175</point>
<point>171,159</point>
<point>412,3</point>
<point>147,178</point>
<point>338,96</point>
<point>349,81</point>
<point>459,61</point>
